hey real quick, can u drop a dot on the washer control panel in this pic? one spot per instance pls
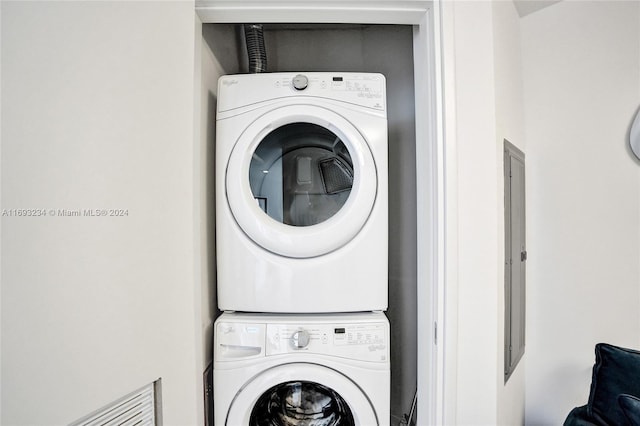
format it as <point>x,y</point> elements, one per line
<point>357,336</point>
<point>368,342</point>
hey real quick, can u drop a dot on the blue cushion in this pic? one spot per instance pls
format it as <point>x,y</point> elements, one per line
<point>630,407</point>
<point>615,372</point>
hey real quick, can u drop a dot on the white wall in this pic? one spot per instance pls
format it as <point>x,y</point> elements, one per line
<point>472,153</point>
<point>482,50</point>
<point>581,63</point>
<point>97,103</point>
<point>510,126</point>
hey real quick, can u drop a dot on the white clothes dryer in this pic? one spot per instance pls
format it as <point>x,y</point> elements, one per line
<point>307,370</point>
<point>301,192</point>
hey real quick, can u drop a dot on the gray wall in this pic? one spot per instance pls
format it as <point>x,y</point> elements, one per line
<point>387,49</point>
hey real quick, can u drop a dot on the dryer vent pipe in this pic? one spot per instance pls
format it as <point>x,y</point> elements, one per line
<point>254,38</point>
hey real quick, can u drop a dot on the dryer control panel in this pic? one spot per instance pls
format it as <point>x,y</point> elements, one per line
<point>362,89</point>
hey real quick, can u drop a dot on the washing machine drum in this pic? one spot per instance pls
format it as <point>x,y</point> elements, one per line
<point>301,181</point>
<point>301,404</point>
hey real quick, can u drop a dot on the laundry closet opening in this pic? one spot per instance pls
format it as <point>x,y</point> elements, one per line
<point>386,49</point>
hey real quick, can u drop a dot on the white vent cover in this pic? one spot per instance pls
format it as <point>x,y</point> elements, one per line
<point>138,408</point>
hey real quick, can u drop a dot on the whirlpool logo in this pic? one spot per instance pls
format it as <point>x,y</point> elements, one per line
<point>229,82</point>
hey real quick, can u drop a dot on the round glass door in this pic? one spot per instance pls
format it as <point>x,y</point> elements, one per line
<point>301,403</point>
<point>301,174</point>
<point>300,394</point>
<point>301,181</point>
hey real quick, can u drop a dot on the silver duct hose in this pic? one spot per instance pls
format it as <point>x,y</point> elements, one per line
<point>254,38</point>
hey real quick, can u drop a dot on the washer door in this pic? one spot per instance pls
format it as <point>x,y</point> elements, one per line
<point>301,394</point>
<point>301,181</point>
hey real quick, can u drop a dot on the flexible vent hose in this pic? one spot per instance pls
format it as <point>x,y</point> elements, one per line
<point>255,48</point>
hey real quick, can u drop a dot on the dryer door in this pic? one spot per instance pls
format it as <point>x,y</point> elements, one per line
<point>301,181</point>
<point>301,394</point>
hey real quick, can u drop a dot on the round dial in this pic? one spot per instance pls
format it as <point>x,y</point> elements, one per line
<point>300,339</point>
<point>300,82</point>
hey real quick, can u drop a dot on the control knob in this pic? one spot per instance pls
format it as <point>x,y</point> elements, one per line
<point>300,339</point>
<point>300,82</point>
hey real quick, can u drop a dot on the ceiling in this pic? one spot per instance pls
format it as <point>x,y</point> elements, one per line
<point>525,7</point>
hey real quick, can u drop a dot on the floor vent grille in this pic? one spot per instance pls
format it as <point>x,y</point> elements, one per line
<point>139,408</point>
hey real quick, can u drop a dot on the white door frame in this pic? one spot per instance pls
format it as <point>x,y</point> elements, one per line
<point>425,17</point>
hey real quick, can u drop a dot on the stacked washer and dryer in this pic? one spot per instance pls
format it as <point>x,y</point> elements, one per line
<point>302,232</point>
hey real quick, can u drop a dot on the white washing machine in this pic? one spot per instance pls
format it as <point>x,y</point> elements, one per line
<point>301,192</point>
<point>306,370</point>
